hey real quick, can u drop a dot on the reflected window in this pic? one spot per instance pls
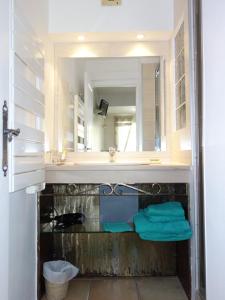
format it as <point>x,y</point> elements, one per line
<point>125,133</point>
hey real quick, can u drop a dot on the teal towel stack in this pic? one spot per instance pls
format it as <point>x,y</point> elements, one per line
<point>163,222</point>
<point>171,209</point>
<point>117,227</point>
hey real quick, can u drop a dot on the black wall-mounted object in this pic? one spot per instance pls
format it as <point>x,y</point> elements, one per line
<point>103,107</point>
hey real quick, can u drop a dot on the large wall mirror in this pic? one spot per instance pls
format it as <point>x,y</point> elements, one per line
<point>111,102</point>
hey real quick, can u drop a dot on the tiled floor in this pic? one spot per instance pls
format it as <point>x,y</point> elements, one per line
<point>163,288</point>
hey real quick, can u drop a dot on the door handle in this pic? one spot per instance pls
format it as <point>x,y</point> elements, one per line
<point>11,132</point>
<point>7,136</point>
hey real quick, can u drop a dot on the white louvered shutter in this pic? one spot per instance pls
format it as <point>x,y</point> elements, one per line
<point>28,102</point>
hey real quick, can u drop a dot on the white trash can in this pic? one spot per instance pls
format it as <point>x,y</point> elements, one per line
<point>57,275</point>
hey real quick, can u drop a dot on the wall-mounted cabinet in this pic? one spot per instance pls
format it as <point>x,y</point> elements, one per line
<point>180,85</point>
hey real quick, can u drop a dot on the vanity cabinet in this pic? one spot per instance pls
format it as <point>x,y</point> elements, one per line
<point>99,253</point>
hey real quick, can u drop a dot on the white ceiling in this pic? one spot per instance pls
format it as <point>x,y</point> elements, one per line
<point>122,110</point>
<point>110,37</point>
<point>70,18</point>
<point>116,90</point>
<point>117,96</point>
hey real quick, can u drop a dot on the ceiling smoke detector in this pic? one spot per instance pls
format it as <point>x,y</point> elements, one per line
<point>111,2</point>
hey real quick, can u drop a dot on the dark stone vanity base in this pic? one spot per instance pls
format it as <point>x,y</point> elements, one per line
<point>98,253</point>
<point>120,254</point>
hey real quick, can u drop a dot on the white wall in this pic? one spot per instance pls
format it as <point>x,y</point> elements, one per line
<point>67,73</point>
<point>117,49</point>
<point>148,106</point>
<point>113,69</point>
<point>117,96</point>
<point>213,30</point>
<point>23,247</point>
<point>68,82</point>
<point>98,130</point>
<point>90,16</point>
<point>109,132</point>
<point>179,7</point>
<point>64,97</point>
<point>36,13</point>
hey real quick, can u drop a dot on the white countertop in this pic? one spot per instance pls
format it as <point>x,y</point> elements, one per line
<point>126,172</point>
<point>122,166</point>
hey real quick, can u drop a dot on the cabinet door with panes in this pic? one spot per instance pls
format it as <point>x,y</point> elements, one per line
<point>180,79</point>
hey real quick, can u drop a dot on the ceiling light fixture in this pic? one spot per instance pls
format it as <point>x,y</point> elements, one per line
<point>140,36</point>
<point>81,38</point>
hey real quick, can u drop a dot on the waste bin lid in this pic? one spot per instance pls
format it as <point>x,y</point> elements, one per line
<point>59,271</point>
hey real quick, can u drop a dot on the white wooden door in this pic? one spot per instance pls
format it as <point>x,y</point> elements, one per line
<point>21,89</point>
<point>26,163</point>
<point>4,182</point>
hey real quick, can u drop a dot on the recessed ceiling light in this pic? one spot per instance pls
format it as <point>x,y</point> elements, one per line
<point>140,36</point>
<point>81,38</point>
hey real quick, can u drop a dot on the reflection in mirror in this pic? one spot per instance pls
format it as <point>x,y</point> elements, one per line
<point>115,126</point>
<point>111,102</point>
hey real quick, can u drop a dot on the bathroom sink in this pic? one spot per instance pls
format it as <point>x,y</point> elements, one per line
<point>101,163</point>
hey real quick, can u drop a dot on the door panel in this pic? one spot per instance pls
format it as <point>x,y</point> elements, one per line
<point>30,134</point>
<point>35,177</point>
<point>21,85</point>
<point>28,119</point>
<point>26,148</point>
<point>26,45</point>
<point>27,102</point>
<point>27,167</point>
<point>28,164</point>
<point>24,85</point>
<point>4,181</point>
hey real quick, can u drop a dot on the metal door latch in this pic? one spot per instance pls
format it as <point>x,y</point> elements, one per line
<point>7,137</point>
<point>11,132</point>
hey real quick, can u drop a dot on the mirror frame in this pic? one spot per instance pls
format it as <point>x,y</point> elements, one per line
<point>148,50</point>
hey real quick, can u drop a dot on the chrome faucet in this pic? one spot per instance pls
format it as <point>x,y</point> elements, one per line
<point>112,154</point>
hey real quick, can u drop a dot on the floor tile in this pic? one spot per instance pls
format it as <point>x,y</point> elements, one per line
<point>113,289</point>
<point>78,290</point>
<point>165,288</point>
<point>152,288</point>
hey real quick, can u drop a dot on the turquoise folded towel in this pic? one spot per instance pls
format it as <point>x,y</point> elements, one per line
<point>171,209</point>
<point>142,224</point>
<point>117,227</point>
<point>164,219</point>
<point>161,231</point>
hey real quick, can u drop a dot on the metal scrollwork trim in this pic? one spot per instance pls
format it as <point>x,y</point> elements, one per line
<point>115,189</point>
